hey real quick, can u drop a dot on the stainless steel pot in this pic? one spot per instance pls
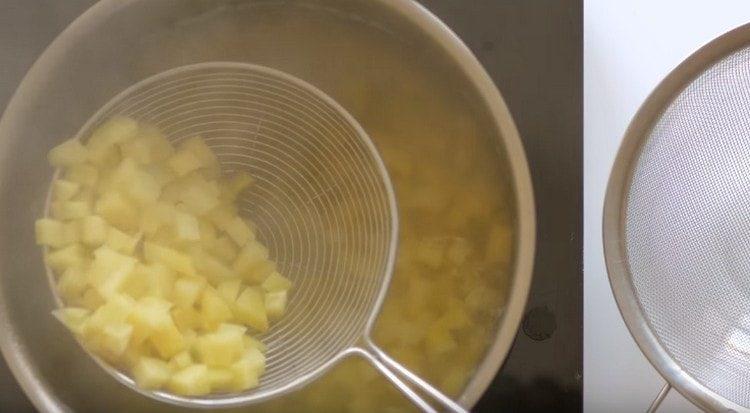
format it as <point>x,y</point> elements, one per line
<point>116,43</point>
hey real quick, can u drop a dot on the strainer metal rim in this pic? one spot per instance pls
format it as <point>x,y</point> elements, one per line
<point>614,215</point>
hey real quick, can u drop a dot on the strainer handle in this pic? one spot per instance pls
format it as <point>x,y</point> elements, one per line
<point>404,379</point>
<point>659,398</point>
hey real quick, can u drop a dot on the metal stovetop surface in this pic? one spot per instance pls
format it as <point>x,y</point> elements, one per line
<point>533,50</point>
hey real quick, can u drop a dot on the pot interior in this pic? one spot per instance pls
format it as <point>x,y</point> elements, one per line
<point>439,142</point>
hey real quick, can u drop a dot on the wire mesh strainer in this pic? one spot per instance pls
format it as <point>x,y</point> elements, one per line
<point>323,204</point>
<point>677,226</point>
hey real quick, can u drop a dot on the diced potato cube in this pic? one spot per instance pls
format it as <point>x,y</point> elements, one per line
<point>137,284</point>
<point>161,280</point>
<point>115,310</point>
<point>237,183</point>
<point>275,304</point>
<point>239,231</point>
<point>149,315</point>
<point>499,244</point>
<point>198,195</point>
<point>70,152</point>
<point>156,216</point>
<point>161,173</point>
<point>186,226</point>
<point>229,290</point>
<point>91,299</point>
<point>65,190</point>
<point>159,146</point>
<point>180,361</point>
<point>70,256</point>
<point>187,318</point>
<point>73,318</point>
<point>224,249</point>
<point>458,251</point>
<point>167,340</point>
<point>245,376</point>
<point>220,379</point>
<point>171,258</point>
<point>276,282</point>
<point>121,242</point>
<point>197,146</point>
<point>70,209</point>
<point>102,142</point>
<point>151,373</point>
<point>247,369</point>
<point>50,232</point>
<point>213,309</point>
<point>114,340</point>
<point>117,210</point>
<point>222,216</point>
<point>84,174</point>
<point>187,290</point>
<point>211,267</point>
<point>110,270</point>
<point>72,284</point>
<point>191,381</point>
<point>250,309</point>
<point>93,230</point>
<point>251,342</point>
<point>183,162</point>
<point>219,349</point>
<point>251,255</point>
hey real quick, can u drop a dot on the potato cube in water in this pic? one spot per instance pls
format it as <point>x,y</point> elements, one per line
<point>68,153</point>
<point>151,373</point>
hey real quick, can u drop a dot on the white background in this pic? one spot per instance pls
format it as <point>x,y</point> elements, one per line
<point>629,46</point>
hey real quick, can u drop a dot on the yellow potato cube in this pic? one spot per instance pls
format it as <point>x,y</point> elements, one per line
<point>70,209</point>
<point>50,232</point>
<point>211,267</point>
<point>229,290</point>
<point>110,270</point>
<point>83,174</point>
<point>220,379</point>
<point>167,340</point>
<point>214,310</point>
<point>65,190</point>
<point>114,340</point>
<point>276,282</point>
<point>186,226</point>
<point>73,318</point>
<point>222,215</point>
<point>180,361</point>
<point>70,152</point>
<point>197,146</point>
<point>219,349</point>
<point>161,173</point>
<point>161,280</point>
<point>251,342</point>
<point>198,195</point>
<point>150,373</point>
<point>250,309</point>
<point>117,210</point>
<point>187,318</point>
<point>121,242</point>
<point>187,290</point>
<point>223,248</point>
<point>183,162</point>
<point>91,299</point>
<point>93,230</point>
<point>239,231</point>
<point>148,315</point>
<point>275,304</point>
<point>72,284</point>
<point>191,381</point>
<point>250,257</point>
<point>156,216</point>
<point>70,256</point>
<point>237,183</point>
<point>171,258</point>
<point>244,375</point>
<point>102,142</point>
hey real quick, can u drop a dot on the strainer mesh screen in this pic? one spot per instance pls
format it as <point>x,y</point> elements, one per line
<point>687,228</point>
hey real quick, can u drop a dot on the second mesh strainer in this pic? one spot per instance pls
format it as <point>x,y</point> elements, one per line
<point>322,203</point>
<point>677,226</point>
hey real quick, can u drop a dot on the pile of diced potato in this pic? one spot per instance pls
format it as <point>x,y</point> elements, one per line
<point>159,274</point>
